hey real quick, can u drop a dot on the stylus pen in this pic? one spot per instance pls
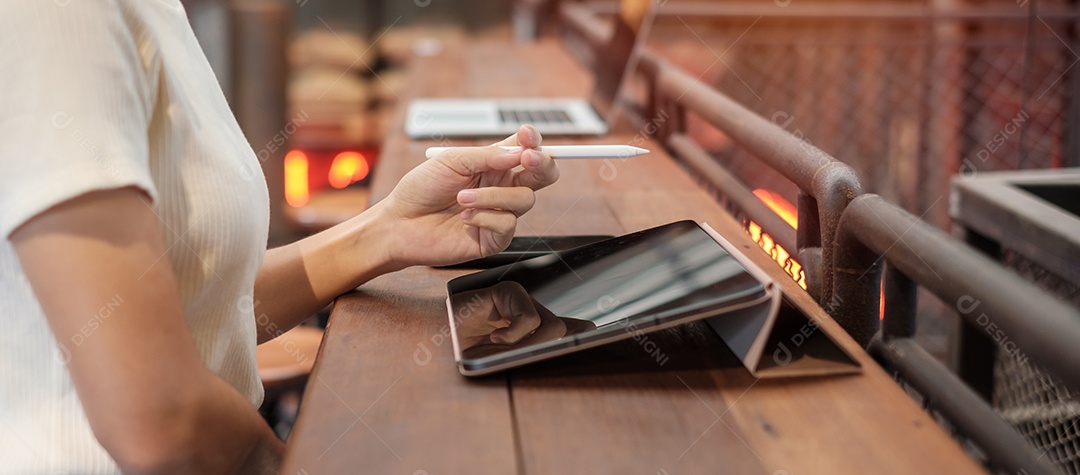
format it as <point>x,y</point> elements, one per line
<point>569,151</point>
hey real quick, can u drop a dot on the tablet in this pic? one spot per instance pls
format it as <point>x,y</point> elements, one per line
<point>528,247</point>
<point>611,290</point>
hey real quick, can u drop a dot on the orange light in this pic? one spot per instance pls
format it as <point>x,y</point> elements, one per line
<point>296,179</point>
<point>881,302</point>
<point>788,213</point>
<point>778,253</point>
<point>348,167</point>
<point>780,206</point>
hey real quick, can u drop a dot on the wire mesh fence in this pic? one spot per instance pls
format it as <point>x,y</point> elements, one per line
<point>1031,399</point>
<point>909,102</point>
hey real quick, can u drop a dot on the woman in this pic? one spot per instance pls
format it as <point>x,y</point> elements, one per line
<point>134,259</point>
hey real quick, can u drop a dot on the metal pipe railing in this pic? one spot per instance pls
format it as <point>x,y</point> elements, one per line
<point>833,11</point>
<point>826,182</point>
<point>852,236</point>
<point>831,183</point>
<point>734,190</point>
<point>1010,309</point>
<point>1004,448</point>
<point>901,297</point>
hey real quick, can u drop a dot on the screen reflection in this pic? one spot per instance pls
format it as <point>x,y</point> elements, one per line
<point>636,280</point>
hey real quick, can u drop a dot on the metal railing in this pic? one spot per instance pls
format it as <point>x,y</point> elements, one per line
<point>826,185</point>
<point>873,233</point>
<point>1022,220</point>
<point>847,240</point>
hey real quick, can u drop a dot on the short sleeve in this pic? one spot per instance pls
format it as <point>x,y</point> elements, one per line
<point>76,104</point>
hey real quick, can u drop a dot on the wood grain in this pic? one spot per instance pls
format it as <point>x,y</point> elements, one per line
<point>387,397</point>
<point>699,421</point>
<point>371,407</point>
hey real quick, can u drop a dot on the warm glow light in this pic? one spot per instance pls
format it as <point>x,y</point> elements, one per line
<point>881,302</point>
<point>296,179</point>
<point>778,253</point>
<point>780,206</point>
<point>790,215</point>
<point>348,167</point>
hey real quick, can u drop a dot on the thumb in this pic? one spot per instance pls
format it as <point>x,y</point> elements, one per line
<point>469,161</point>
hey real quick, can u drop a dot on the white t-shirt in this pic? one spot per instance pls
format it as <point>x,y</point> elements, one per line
<point>100,94</point>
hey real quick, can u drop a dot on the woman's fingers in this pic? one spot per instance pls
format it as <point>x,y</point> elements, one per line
<point>512,302</point>
<point>540,170</point>
<point>502,224</point>
<point>518,200</point>
<point>527,136</point>
<point>470,161</point>
<point>526,321</point>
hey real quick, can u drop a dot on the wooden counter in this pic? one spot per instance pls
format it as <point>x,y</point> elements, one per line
<point>386,396</point>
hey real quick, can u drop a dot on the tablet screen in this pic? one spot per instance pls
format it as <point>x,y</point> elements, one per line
<point>570,297</point>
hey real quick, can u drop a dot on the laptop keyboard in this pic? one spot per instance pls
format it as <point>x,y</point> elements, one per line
<point>535,116</point>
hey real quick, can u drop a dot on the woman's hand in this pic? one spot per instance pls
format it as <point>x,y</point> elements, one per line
<point>464,203</point>
<point>503,314</point>
<point>504,317</point>
<point>457,206</point>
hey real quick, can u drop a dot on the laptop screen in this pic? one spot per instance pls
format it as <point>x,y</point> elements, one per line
<point>616,63</point>
<point>611,66</point>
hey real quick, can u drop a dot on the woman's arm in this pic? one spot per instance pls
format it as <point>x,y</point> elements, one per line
<point>460,205</point>
<point>149,399</point>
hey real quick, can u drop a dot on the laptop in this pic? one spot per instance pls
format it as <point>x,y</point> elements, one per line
<point>489,117</point>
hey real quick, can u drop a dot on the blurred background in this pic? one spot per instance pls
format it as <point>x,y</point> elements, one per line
<point>313,83</point>
<point>909,93</point>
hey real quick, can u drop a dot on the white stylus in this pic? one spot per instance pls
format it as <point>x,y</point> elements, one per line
<point>569,151</point>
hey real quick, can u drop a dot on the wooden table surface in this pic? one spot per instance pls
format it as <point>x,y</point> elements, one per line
<point>386,396</point>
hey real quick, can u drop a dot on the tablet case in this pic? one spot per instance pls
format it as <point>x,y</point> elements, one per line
<point>771,339</point>
<point>777,340</point>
